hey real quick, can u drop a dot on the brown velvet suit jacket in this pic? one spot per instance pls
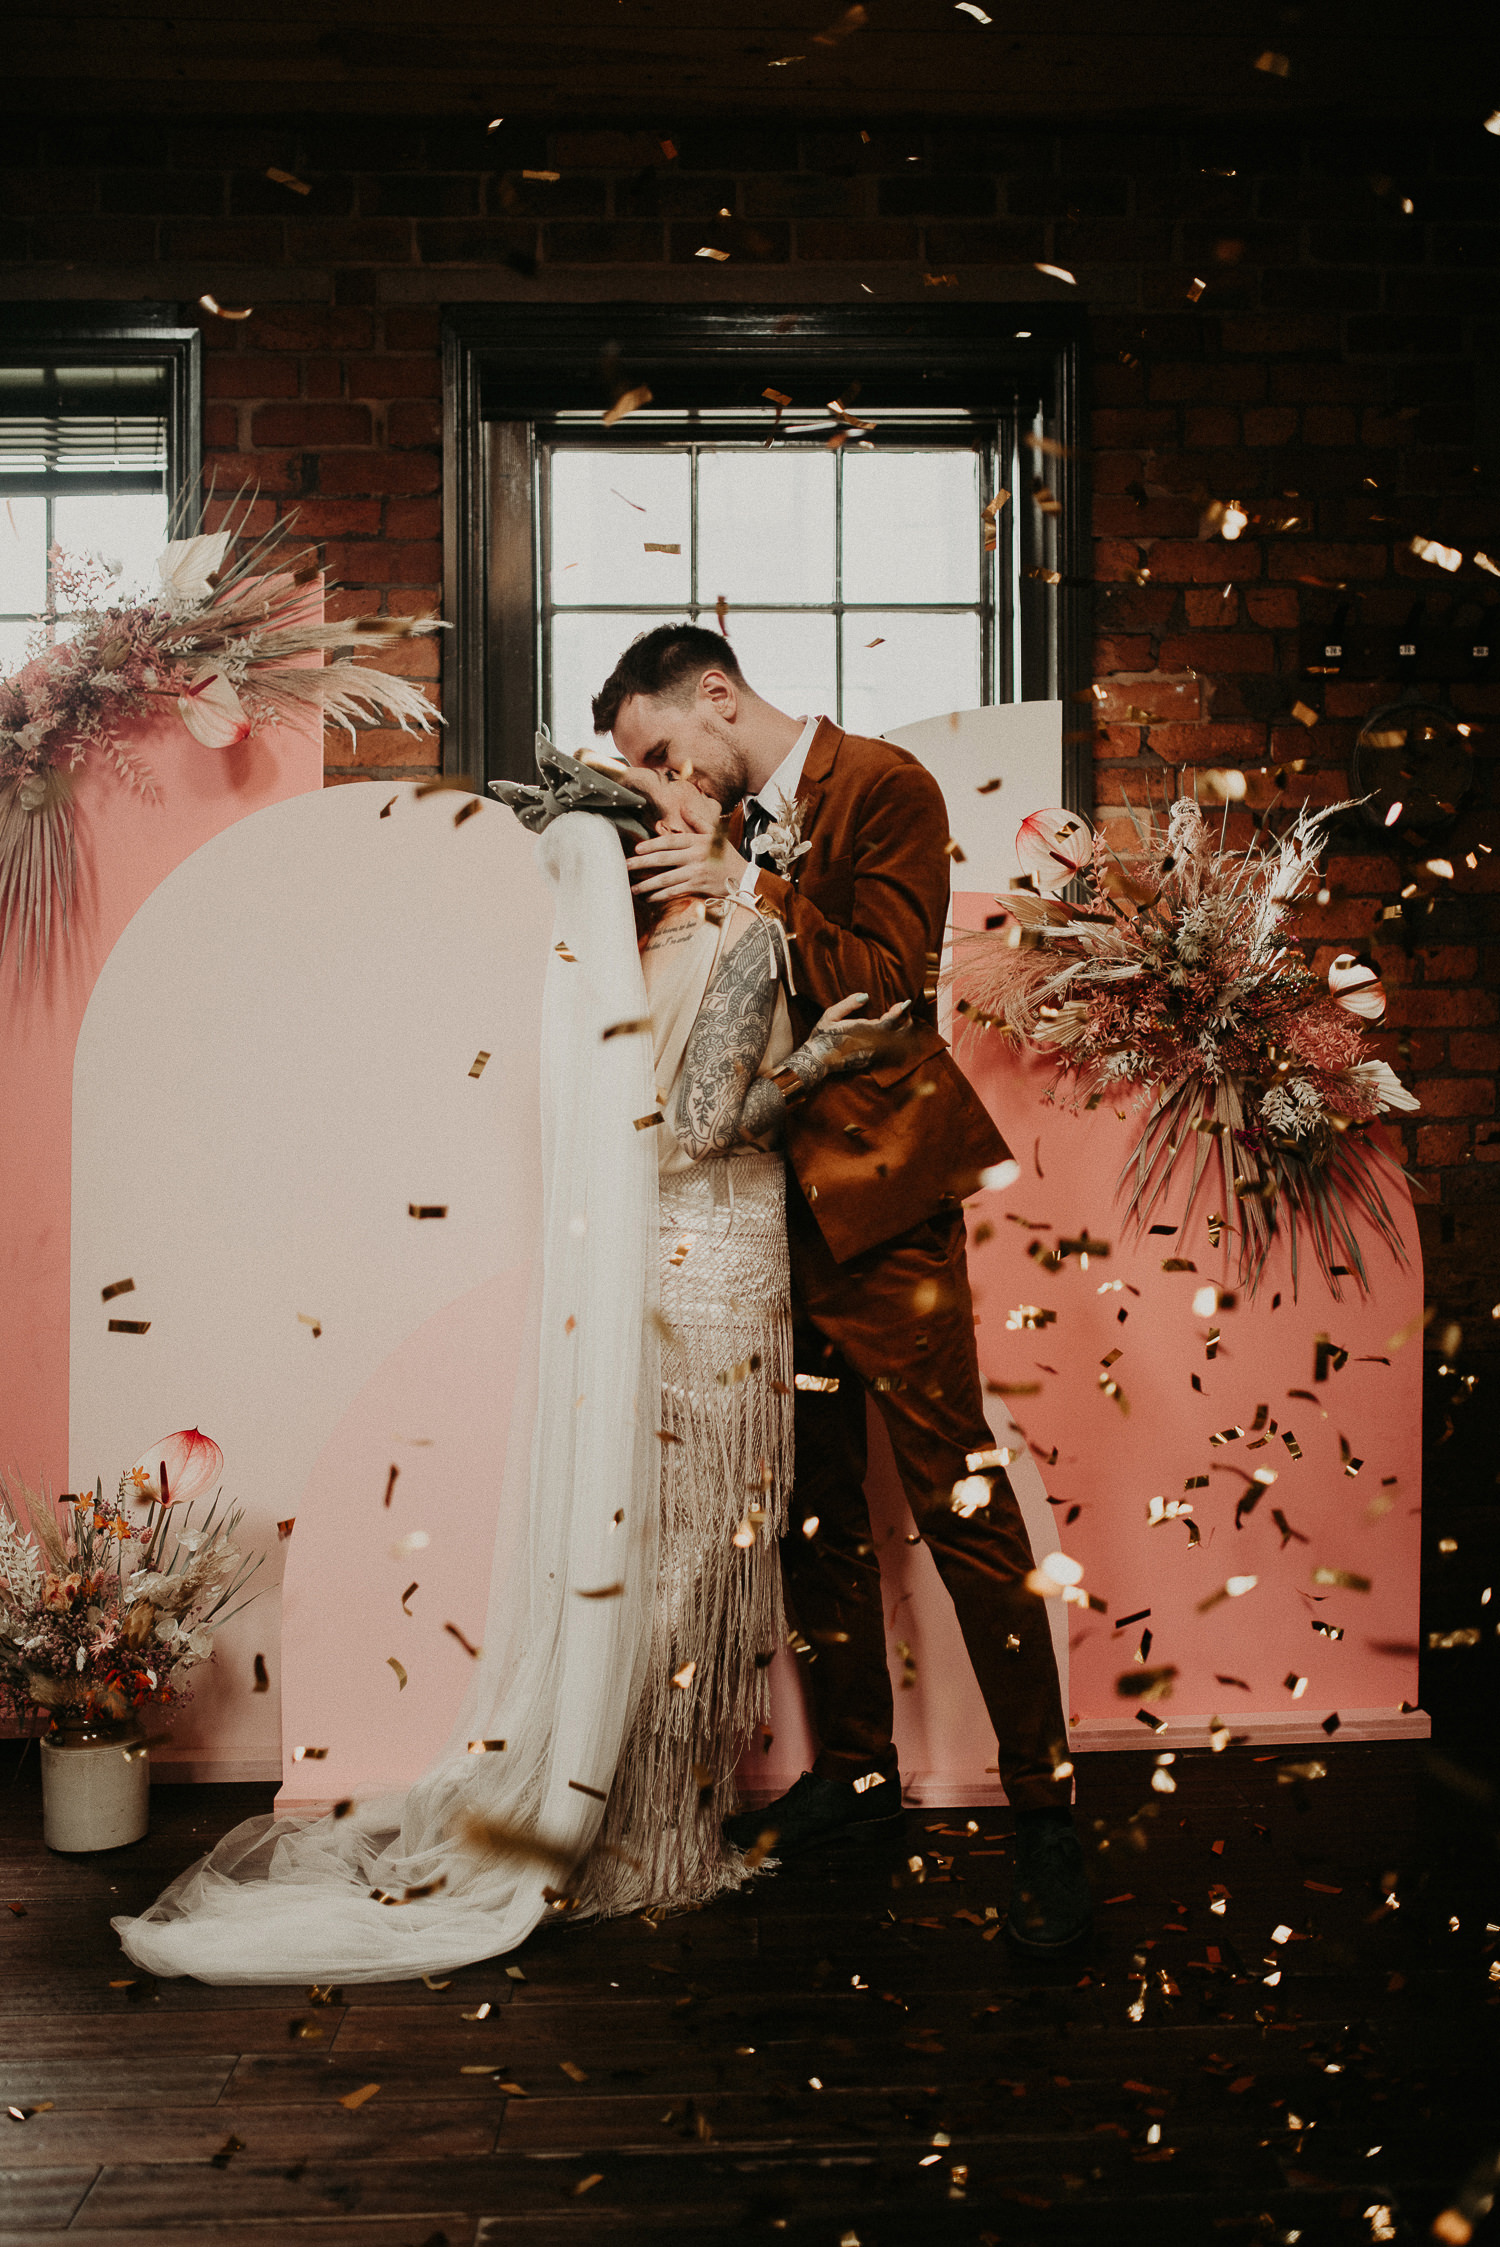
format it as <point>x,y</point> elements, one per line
<point>865,908</point>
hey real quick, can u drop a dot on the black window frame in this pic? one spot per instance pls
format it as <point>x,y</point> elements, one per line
<point>116,335</point>
<point>508,367</point>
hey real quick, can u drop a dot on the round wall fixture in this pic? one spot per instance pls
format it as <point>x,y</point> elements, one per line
<point>1415,763</point>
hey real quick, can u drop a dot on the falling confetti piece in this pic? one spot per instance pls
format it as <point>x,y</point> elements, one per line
<point>305,1318</point>
<point>634,1029</point>
<point>308,1755</point>
<point>721,257</point>
<point>390,1485</point>
<point>392,1663</point>
<point>415,1541</point>
<point>605,1591</point>
<point>655,546</point>
<point>1059,273</point>
<point>353,2099</point>
<point>1276,66</point>
<point>1304,715</point>
<point>118,1287</point>
<point>222,311</point>
<point>262,1676</point>
<point>288,179</point>
<point>1341,1579</point>
<point>573,2071</point>
<point>595,1794</point>
<point>649,1123</point>
<point>453,1631</point>
<point>130,1326</point>
<point>683,1678</point>
<point>486,1747</point>
<point>1443,557</point>
<point>226,2153</point>
<point>427,1209</point>
<point>284,1529</point>
<point>628,402</point>
<point>541,175</point>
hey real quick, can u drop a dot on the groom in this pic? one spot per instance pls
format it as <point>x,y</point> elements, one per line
<point>878,1165</point>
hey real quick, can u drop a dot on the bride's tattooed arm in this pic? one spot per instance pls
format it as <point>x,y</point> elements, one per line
<point>720,1098</point>
<point>724,1050</point>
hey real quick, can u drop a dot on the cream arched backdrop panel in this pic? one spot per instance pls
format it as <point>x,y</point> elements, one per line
<point>274,1068</point>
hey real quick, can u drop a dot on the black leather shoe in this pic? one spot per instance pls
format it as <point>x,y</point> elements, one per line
<point>1050,1907</point>
<point>817,1810</point>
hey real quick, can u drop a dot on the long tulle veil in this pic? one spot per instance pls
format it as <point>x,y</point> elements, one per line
<point>458,1867</point>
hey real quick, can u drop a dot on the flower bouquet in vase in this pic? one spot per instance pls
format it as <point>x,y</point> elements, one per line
<point>1176,978</point>
<point>106,1607</point>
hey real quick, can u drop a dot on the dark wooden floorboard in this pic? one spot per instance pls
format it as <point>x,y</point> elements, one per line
<point>844,2050</point>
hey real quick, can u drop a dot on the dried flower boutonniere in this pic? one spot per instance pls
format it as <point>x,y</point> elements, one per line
<point>784,835</point>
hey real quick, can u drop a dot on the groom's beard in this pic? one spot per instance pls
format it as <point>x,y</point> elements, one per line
<point>720,769</point>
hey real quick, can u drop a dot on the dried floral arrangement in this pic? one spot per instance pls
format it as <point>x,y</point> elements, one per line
<point>226,640</point>
<point>102,1614</point>
<point>1178,977</point>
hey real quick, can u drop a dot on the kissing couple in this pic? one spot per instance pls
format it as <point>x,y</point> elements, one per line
<point>756,1148</point>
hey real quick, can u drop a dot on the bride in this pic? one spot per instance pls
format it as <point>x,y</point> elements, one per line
<point>624,1665</point>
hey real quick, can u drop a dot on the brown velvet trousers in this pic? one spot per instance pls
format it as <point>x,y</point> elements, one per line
<point>897,1323</point>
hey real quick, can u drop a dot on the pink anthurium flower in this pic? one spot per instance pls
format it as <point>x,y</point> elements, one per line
<point>211,710</point>
<point>193,1464</point>
<point>1358,989</point>
<point>1054,846</point>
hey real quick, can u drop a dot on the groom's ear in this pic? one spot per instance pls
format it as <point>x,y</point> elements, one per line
<point>720,692</point>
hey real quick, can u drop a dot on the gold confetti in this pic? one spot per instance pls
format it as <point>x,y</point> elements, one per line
<point>683,1678</point>
<point>477,1070</point>
<point>1443,557</point>
<point>288,179</point>
<point>392,1663</point>
<point>1303,715</point>
<point>222,311</point>
<point>823,1384</point>
<point>628,402</point>
<point>1059,273</point>
<point>284,1529</point>
<point>453,1631</point>
<point>486,1747</point>
<point>262,1676</point>
<point>641,1024</point>
<point>541,175</point>
<point>469,809</point>
<point>130,1326</point>
<point>1276,66</point>
<point>1195,290</point>
<point>427,1209</point>
<point>720,257</point>
<point>605,1591</point>
<point>353,2099</point>
<point>305,1318</point>
<point>876,643</point>
<point>1342,1579</point>
<point>308,1755</point>
<point>387,808</point>
<point>573,2071</point>
<point>118,1287</point>
<point>649,1123</point>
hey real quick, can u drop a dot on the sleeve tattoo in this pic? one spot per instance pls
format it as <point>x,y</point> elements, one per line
<point>720,1099</point>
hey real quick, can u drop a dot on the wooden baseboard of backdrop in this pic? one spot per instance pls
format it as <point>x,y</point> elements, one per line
<point>1279,1728</point>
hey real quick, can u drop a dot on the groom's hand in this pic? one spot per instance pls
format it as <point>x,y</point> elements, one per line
<point>694,860</point>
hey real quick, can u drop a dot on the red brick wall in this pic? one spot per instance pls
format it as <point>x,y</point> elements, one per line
<point>1326,372</point>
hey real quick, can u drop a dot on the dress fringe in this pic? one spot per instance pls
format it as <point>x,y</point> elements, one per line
<point>726,1472</point>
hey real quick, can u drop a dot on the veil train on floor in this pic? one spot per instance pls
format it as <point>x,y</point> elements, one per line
<point>455,1869</point>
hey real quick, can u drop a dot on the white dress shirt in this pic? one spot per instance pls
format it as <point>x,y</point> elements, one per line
<point>781,787</point>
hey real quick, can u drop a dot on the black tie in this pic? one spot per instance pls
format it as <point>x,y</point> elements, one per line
<point>757,820</point>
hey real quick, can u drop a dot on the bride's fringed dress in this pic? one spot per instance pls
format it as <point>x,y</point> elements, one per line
<point>726,1458</point>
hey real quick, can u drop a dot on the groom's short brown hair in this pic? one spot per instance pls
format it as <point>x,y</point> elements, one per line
<point>669,660</point>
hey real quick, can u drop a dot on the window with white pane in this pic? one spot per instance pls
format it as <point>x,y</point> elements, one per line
<point>83,471</point>
<point>855,581</point>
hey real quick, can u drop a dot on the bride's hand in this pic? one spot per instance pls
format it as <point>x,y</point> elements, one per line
<point>842,1042</point>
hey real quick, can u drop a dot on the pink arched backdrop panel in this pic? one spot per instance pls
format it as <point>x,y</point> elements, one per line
<point>126,848</point>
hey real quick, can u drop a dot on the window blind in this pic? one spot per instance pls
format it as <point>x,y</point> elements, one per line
<point>83,419</point>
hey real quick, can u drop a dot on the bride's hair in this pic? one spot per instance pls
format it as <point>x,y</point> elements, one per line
<point>668,661</point>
